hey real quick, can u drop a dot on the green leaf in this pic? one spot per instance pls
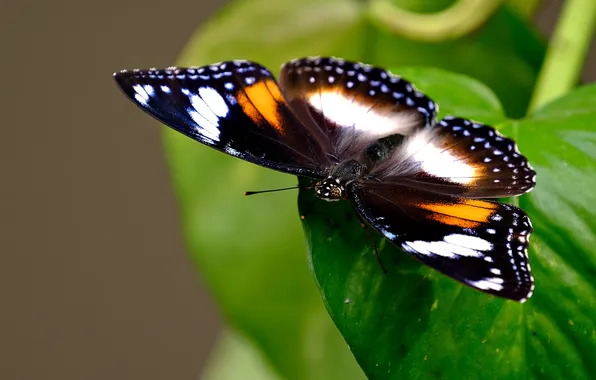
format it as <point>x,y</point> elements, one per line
<point>560,142</point>
<point>415,323</point>
<point>250,252</point>
<point>451,88</point>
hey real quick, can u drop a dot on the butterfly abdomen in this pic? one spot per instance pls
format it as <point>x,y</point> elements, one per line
<point>381,150</point>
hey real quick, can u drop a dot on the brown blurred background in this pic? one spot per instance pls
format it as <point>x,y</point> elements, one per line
<point>94,281</point>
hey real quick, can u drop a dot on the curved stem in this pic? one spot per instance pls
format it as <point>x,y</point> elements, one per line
<point>566,53</point>
<point>458,20</point>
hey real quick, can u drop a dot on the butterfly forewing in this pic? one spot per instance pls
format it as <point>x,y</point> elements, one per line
<point>352,104</point>
<point>479,243</point>
<point>235,107</point>
<point>459,157</point>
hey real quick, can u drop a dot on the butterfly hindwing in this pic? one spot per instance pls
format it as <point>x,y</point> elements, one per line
<point>353,104</point>
<point>479,243</point>
<point>235,107</point>
<point>459,157</point>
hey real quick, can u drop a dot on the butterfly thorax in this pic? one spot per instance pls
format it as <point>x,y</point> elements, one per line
<point>333,188</point>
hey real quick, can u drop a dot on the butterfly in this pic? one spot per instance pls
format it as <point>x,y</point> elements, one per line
<point>368,136</point>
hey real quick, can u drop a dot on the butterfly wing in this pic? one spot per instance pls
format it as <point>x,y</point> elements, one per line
<point>459,157</point>
<point>479,243</point>
<point>235,107</point>
<point>348,105</point>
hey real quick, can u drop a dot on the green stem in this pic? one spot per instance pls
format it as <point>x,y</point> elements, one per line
<point>566,52</point>
<point>526,8</point>
<point>456,21</point>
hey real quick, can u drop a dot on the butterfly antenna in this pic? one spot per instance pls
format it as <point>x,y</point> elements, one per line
<point>271,190</point>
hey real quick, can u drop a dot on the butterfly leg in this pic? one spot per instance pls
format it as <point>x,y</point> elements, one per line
<point>372,240</point>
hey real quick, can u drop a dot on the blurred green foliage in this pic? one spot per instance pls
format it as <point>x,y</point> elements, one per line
<point>251,251</point>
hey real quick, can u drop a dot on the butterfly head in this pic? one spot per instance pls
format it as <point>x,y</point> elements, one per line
<point>330,189</point>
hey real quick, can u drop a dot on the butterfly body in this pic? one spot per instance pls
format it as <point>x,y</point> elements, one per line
<point>365,135</point>
<point>348,173</point>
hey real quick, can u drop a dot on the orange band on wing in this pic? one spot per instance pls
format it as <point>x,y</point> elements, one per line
<point>261,102</point>
<point>450,220</point>
<point>468,214</point>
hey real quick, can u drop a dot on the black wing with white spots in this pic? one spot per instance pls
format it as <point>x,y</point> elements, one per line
<point>351,105</point>
<point>481,244</point>
<point>235,107</point>
<point>459,157</point>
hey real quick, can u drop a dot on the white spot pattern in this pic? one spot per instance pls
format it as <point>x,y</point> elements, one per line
<point>452,246</point>
<point>141,95</point>
<point>488,284</point>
